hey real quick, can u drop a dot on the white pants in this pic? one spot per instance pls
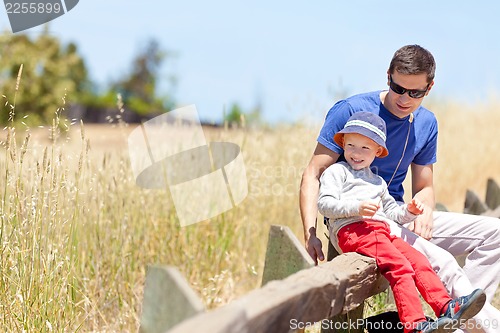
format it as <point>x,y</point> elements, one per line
<point>458,234</point>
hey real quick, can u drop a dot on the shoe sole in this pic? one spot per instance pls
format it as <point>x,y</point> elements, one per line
<point>473,307</point>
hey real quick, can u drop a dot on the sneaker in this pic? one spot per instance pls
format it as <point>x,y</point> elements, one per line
<point>463,308</point>
<point>441,325</point>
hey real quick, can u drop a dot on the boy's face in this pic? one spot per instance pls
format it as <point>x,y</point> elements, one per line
<point>402,105</point>
<point>360,151</point>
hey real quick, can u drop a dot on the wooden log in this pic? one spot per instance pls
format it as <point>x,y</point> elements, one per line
<point>342,318</point>
<point>492,194</point>
<point>285,255</point>
<point>168,300</point>
<point>307,296</point>
<point>341,323</point>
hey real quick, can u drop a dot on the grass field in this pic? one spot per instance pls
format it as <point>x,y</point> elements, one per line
<point>77,234</point>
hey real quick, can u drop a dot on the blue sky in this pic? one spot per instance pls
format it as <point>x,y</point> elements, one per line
<point>295,57</point>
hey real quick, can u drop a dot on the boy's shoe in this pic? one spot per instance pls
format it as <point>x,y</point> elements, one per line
<point>463,308</point>
<point>441,325</point>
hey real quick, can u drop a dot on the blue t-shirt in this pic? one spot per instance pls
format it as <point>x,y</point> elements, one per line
<point>422,142</point>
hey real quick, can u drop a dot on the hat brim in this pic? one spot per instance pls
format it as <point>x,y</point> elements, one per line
<point>339,138</point>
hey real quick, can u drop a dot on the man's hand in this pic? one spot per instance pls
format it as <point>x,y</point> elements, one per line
<point>368,208</point>
<point>423,224</point>
<point>314,248</point>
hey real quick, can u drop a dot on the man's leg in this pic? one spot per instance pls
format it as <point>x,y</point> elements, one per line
<point>477,236</point>
<point>451,274</point>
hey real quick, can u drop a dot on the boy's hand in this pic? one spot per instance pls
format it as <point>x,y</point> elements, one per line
<point>415,207</point>
<point>368,208</point>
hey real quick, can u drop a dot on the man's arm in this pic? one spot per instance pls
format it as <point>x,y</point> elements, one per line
<point>423,189</point>
<point>309,190</point>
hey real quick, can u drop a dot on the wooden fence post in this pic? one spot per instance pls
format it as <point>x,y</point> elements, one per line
<point>473,205</point>
<point>491,205</point>
<point>492,194</point>
<point>168,300</point>
<point>285,255</point>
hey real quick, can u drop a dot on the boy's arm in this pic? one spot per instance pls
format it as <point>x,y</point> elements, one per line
<point>308,200</point>
<point>329,202</point>
<point>423,189</point>
<point>395,212</point>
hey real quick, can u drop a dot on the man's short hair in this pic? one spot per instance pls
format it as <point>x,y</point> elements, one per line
<point>412,60</point>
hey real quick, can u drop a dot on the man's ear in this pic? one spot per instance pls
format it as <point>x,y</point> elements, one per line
<point>430,87</point>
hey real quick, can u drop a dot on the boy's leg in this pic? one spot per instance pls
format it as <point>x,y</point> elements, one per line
<point>451,274</point>
<point>372,240</point>
<point>479,236</point>
<point>442,262</point>
<point>428,283</point>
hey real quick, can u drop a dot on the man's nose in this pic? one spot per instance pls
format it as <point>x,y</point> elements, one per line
<point>405,97</point>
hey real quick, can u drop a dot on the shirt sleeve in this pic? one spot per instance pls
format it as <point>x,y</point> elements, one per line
<point>428,154</point>
<point>394,211</point>
<point>329,203</point>
<point>335,120</point>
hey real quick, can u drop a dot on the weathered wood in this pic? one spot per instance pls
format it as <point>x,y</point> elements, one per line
<point>350,322</point>
<point>342,318</point>
<point>309,295</point>
<point>493,213</point>
<point>491,206</point>
<point>492,194</point>
<point>168,300</point>
<point>440,207</point>
<point>285,255</point>
<point>473,205</point>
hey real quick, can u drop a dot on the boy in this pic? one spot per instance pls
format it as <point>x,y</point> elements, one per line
<point>358,202</point>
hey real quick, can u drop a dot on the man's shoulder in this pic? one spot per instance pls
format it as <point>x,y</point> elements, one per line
<point>343,109</point>
<point>425,115</point>
<point>364,100</point>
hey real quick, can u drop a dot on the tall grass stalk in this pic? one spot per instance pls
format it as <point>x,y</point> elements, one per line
<point>77,234</point>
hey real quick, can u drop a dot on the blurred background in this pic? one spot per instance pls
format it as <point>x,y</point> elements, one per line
<point>272,61</point>
<point>76,232</point>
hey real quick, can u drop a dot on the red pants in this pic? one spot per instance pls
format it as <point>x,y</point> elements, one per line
<point>404,267</point>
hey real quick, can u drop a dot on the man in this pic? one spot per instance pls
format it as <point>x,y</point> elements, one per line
<point>412,141</point>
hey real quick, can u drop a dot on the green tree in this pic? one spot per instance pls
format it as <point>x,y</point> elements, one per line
<point>139,88</point>
<point>237,117</point>
<point>52,76</point>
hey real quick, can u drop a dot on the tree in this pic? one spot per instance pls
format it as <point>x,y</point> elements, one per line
<point>52,76</point>
<point>139,88</point>
<point>236,117</point>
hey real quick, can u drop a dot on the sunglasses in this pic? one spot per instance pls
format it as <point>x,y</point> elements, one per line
<point>413,93</point>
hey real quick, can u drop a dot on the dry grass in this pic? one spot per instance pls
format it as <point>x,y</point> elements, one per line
<point>467,152</point>
<point>77,234</point>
